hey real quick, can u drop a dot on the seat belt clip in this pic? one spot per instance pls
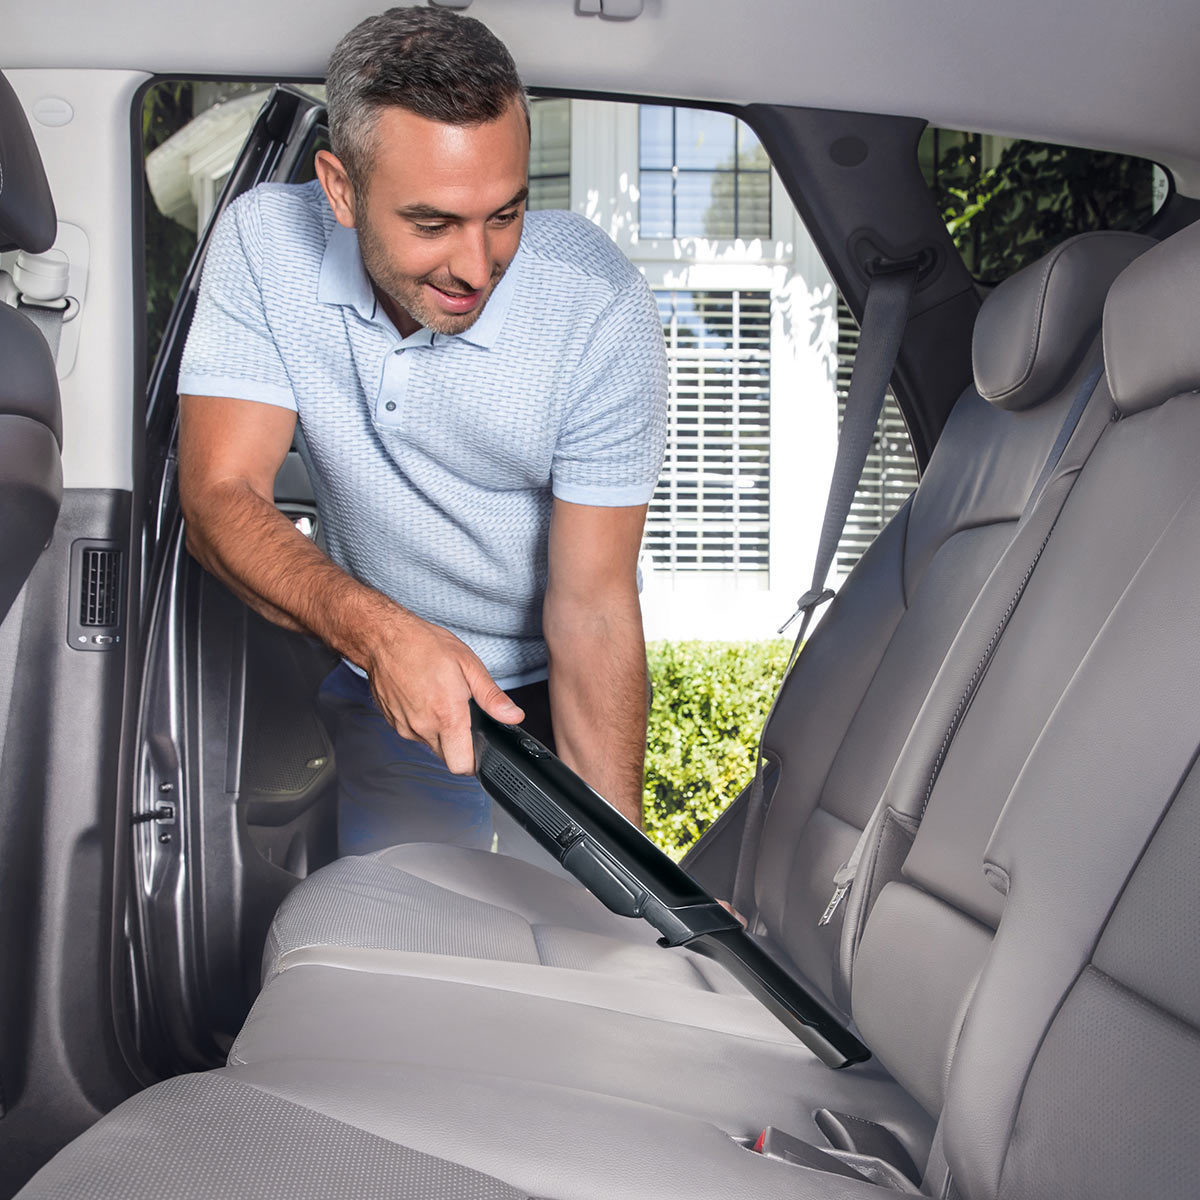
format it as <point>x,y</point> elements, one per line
<point>843,879</point>
<point>881,264</point>
<point>839,894</point>
<point>810,600</point>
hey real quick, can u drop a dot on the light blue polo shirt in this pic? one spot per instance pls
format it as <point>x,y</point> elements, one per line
<point>435,459</point>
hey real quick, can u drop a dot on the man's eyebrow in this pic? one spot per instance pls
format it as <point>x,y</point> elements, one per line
<point>523,194</point>
<point>427,212</point>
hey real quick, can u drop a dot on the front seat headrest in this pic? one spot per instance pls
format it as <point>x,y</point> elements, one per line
<point>27,217</point>
<point>1151,346</point>
<point>29,387</point>
<point>1034,327</point>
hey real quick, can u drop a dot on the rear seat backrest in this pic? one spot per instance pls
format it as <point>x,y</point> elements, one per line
<point>845,712</point>
<point>930,930</point>
<point>1078,1065</point>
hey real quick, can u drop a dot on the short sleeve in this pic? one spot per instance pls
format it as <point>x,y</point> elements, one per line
<point>610,448</point>
<point>230,350</point>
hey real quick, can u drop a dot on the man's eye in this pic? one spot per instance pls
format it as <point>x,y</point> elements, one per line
<point>430,228</point>
<point>507,218</point>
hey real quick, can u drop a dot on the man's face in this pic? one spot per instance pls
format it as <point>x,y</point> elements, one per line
<point>442,216</point>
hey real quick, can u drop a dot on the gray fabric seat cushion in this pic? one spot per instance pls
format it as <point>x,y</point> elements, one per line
<point>202,1136</point>
<point>473,904</point>
<point>281,1131</point>
<point>722,1059</point>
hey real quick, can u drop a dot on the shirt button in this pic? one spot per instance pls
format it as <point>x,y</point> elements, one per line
<point>390,406</point>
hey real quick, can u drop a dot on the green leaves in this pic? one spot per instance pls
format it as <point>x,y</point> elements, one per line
<point>1004,210</point>
<point>710,702</point>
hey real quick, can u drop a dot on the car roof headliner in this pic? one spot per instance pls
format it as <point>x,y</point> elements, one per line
<point>1112,75</point>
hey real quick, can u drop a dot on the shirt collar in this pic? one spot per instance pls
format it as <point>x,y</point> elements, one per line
<point>344,280</point>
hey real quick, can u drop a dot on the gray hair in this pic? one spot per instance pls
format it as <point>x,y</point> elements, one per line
<point>430,61</point>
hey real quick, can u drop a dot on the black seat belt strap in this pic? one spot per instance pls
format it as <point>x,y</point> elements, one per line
<point>885,316</point>
<point>49,319</point>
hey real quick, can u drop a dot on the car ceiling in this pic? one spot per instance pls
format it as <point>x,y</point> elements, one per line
<point>1114,75</point>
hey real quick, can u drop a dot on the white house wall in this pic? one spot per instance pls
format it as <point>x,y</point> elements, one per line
<point>803,405</point>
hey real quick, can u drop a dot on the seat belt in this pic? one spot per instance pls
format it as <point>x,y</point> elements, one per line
<point>844,876</point>
<point>38,287</point>
<point>49,319</point>
<point>885,316</point>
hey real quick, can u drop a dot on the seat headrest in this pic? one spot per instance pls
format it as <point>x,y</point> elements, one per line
<point>29,385</point>
<point>1034,326</point>
<point>27,217</point>
<point>1151,345</point>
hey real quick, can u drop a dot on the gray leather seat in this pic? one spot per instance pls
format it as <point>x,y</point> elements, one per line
<point>845,712</point>
<point>1061,1043</point>
<point>30,416</point>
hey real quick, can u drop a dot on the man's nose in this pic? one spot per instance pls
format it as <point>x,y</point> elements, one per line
<point>471,261</point>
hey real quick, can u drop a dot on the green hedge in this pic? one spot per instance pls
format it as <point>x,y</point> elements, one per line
<point>710,701</point>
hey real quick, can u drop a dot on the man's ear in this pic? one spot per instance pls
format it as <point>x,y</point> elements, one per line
<point>339,191</point>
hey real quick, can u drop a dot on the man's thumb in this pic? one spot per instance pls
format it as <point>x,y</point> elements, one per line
<point>494,702</point>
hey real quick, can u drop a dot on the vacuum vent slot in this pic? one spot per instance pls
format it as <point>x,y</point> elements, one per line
<point>511,783</point>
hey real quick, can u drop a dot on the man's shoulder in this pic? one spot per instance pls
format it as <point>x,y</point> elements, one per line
<point>278,214</point>
<point>569,245</point>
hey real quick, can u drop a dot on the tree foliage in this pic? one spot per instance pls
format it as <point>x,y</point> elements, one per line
<point>1036,195</point>
<point>710,702</point>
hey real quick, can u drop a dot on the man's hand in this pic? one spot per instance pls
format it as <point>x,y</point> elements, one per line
<point>422,677</point>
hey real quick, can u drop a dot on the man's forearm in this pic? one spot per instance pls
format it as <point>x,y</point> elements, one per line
<point>257,552</point>
<point>598,697</point>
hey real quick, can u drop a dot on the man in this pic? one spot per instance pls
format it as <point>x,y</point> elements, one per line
<point>482,396</point>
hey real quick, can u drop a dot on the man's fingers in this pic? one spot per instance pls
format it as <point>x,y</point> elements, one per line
<point>457,749</point>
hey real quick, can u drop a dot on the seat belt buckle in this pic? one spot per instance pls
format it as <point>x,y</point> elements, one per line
<point>810,600</point>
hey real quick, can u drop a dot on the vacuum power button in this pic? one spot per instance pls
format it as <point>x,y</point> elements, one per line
<point>533,749</point>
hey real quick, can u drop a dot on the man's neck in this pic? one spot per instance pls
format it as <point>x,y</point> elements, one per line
<point>405,324</point>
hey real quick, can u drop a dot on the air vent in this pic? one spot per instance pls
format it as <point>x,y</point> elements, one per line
<point>100,603</point>
<point>96,615</point>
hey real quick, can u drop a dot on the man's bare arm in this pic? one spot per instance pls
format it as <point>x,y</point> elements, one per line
<point>593,626</point>
<point>421,675</point>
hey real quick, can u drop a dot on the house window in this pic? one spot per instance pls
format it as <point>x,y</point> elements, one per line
<point>550,153</point>
<point>701,174</point>
<point>890,472</point>
<point>710,511</point>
